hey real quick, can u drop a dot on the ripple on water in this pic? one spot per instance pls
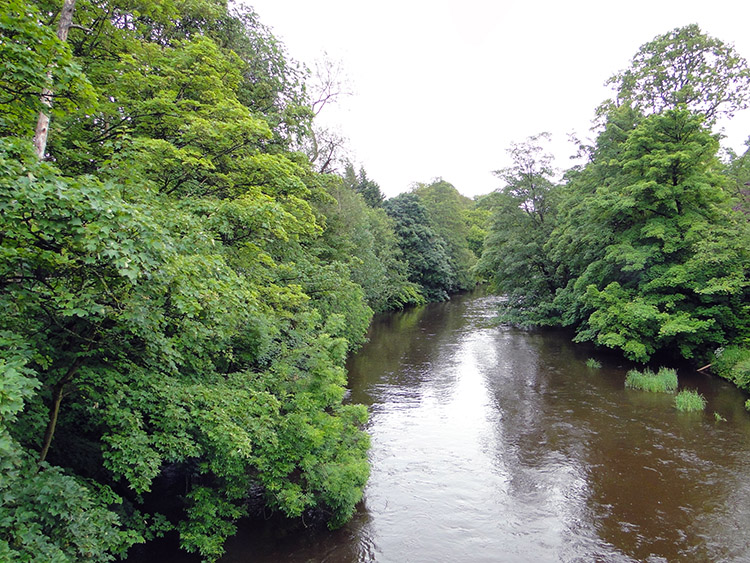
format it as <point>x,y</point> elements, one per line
<point>493,444</point>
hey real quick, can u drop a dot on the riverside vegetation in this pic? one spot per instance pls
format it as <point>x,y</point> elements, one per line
<point>186,263</point>
<point>643,248</point>
<point>185,266</point>
<point>690,400</point>
<point>664,381</point>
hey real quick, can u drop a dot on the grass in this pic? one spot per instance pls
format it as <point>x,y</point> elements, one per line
<point>665,381</point>
<point>689,400</point>
<point>593,364</point>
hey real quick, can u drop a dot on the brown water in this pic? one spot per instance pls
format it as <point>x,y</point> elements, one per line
<point>493,444</point>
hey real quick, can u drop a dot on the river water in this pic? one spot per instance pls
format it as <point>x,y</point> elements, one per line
<point>494,444</point>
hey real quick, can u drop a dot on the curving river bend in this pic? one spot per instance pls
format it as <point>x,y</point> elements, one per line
<point>493,444</point>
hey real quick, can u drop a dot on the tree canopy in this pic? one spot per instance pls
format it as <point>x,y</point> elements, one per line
<point>644,248</point>
<point>685,67</point>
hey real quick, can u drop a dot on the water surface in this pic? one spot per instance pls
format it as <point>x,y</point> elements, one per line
<point>494,444</point>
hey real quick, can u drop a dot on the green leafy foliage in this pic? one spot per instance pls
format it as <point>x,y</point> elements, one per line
<point>646,253</point>
<point>675,257</point>
<point>514,258</point>
<point>44,513</point>
<point>25,72</point>
<point>733,364</point>
<point>367,188</point>
<point>738,172</point>
<point>170,299</point>
<point>363,237</point>
<point>447,210</point>
<point>425,251</point>
<point>685,67</point>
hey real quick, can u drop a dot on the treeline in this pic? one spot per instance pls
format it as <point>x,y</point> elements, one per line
<point>644,248</point>
<point>180,280</point>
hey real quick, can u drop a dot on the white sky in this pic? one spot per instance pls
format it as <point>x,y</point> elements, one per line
<point>441,88</point>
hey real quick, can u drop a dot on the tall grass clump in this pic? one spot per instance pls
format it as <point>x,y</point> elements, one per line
<point>689,400</point>
<point>665,381</point>
<point>593,364</point>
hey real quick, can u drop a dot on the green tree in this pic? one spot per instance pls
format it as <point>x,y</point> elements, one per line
<point>363,185</point>
<point>738,171</point>
<point>515,259</point>
<point>578,242</point>
<point>685,67</point>
<point>423,249</point>
<point>175,310</point>
<point>675,261</point>
<point>26,74</point>
<point>447,210</point>
<point>363,237</point>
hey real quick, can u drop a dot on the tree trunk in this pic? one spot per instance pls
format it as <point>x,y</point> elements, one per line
<point>57,395</point>
<point>42,124</point>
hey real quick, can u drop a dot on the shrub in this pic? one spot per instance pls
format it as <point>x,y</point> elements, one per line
<point>593,364</point>
<point>665,381</point>
<point>733,363</point>
<point>689,400</point>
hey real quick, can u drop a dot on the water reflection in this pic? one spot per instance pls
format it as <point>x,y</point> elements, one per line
<point>491,444</point>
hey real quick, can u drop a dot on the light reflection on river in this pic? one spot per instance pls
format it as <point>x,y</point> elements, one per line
<point>493,444</point>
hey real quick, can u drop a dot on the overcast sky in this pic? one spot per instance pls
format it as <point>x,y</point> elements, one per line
<point>441,88</point>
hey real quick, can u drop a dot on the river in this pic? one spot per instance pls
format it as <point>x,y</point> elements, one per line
<point>494,444</point>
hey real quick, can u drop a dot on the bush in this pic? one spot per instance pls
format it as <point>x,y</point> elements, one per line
<point>593,364</point>
<point>689,400</point>
<point>665,381</point>
<point>733,363</point>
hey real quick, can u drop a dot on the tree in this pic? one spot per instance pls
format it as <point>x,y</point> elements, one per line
<point>685,67</point>
<point>363,238</point>
<point>363,185</point>
<point>165,302</point>
<point>529,179</point>
<point>447,210</point>
<point>29,75</point>
<point>42,125</point>
<point>673,270</point>
<point>324,146</point>
<point>423,249</point>
<point>738,170</point>
<point>514,258</point>
<point>577,243</point>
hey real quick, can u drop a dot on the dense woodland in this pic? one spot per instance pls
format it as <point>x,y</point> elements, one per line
<point>644,248</point>
<point>184,270</point>
<point>186,263</point>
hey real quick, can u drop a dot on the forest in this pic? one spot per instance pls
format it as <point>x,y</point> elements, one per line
<point>186,263</point>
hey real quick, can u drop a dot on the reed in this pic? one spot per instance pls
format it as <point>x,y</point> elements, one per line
<point>689,400</point>
<point>593,364</point>
<point>665,381</point>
